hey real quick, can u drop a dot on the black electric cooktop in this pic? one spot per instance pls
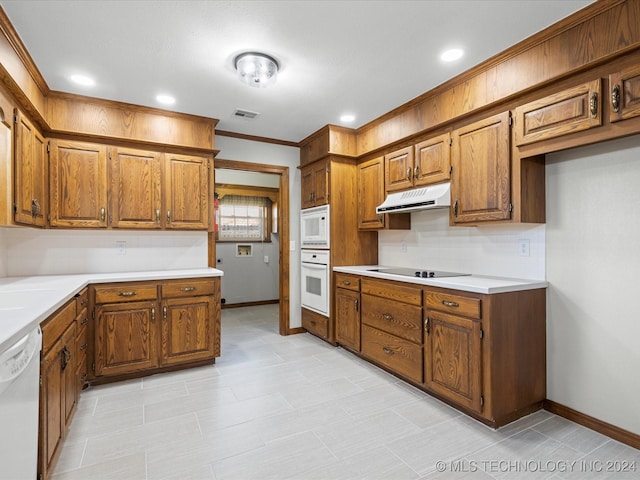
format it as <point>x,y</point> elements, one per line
<point>413,272</point>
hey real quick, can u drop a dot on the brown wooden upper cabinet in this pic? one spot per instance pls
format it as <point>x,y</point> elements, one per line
<point>480,179</point>
<point>315,184</point>
<point>562,113</point>
<point>135,192</point>
<point>371,193</point>
<point>78,184</point>
<point>30,177</point>
<point>186,192</point>
<point>625,93</point>
<point>422,164</point>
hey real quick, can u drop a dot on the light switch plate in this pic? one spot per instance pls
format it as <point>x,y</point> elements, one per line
<point>523,247</point>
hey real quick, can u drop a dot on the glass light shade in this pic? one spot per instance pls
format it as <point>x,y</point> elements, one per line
<point>257,69</point>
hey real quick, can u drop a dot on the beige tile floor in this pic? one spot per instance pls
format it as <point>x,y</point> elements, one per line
<point>294,407</point>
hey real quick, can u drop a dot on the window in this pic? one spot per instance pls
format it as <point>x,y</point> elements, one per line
<point>242,218</point>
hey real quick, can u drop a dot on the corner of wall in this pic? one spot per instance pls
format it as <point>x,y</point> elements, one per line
<point>3,253</point>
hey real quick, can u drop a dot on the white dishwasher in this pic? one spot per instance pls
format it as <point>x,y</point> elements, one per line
<point>19,398</point>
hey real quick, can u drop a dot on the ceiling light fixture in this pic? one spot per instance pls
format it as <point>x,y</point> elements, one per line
<point>256,69</point>
<point>451,55</point>
<point>166,99</point>
<point>83,80</point>
<point>347,118</point>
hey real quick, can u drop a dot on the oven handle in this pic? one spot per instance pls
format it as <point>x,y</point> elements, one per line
<point>316,266</point>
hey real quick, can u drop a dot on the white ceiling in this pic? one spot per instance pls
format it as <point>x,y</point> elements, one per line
<point>361,57</point>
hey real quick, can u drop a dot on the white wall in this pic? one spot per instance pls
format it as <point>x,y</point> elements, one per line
<point>32,251</point>
<point>593,313</point>
<point>249,279</point>
<point>258,152</point>
<point>3,254</point>
<point>489,250</point>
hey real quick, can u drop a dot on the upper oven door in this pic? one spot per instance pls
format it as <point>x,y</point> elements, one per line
<point>315,227</point>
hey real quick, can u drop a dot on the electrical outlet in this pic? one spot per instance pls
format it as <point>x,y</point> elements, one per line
<point>292,246</point>
<point>266,259</point>
<point>121,246</point>
<point>523,247</point>
<point>403,247</point>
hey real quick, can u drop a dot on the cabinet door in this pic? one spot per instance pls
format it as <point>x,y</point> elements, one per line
<point>453,357</point>
<point>51,406</point>
<point>625,94</point>
<point>125,338</point>
<point>348,318</point>
<point>398,168</point>
<point>188,329</point>
<point>370,193</point>
<point>480,181</point>
<point>135,200</point>
<point>432,160</point>
<point>568,111</point>
<point>307,180</point>
<point>30,198</point>
<point>78,184</point>
<point>321,183</point>
<point>186,192</point>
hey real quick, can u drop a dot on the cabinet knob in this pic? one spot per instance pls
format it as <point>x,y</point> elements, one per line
<point>447,303</point>
<point>103,214</point>
<point>408,173</point>
<point>187,289</point>
<point>416,171</point>
<point>615,98</point>
<point>426,325</point>
<point>153,314</point>
<point>455,209</point>
<point>356,304</point>
<point>386,316</point>
<point>131,293</point>
<point>346,282</point>
<point>158,216</point>
<point>168,216</point>
<point>387,350</point>
<point>593,105</point>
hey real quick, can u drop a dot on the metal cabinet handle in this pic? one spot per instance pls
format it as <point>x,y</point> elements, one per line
<point>447,303</point>
<point>187,289</point>
<point>84,321</point>
<point>386,316</point>
<point>313,322</point>
<point>84,301</point>
<point>455,209</point>
<point>356,304</point>
<point>387,350</point>
<point>103,214</point>
<point>158,216</point>
<point>615,98</point>
<point>593,105</point>
<point>153,314</point>
<point>83,346</point>
<point>35,207</point>
<point>346,282</point>
<point>426,325</point>
<point>416,171</point>
<point>164,312</point>
<point>408,173</point>
<point>127,294</point>
<point>168,216</point>
<point>66,357</point>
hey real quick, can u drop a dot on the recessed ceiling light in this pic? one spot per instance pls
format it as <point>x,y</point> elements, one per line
<point>166,99</point>
<point>451,55</point>
<point>347,117</point>
<point>83,80</point>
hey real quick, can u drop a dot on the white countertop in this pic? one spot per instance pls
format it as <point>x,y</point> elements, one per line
<point>27,301</point>
<point>468,283</point>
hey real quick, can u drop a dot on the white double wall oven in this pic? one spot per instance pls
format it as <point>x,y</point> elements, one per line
<point>315,259</point>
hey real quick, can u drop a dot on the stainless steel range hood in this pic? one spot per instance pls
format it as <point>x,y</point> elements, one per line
<point>425,198</point>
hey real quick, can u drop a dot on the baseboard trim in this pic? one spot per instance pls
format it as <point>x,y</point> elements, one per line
<point>296,330</point>
<point>617,433</point>
<point>250,304</point>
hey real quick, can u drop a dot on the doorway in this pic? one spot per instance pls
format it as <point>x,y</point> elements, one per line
<point>283,229</point>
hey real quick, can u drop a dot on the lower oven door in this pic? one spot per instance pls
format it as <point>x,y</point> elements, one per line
<point>315,287</point>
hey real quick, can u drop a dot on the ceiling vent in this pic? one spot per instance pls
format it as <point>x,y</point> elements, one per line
<point>247,114</point>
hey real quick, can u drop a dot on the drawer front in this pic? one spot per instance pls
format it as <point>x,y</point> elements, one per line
<point>315,323</point>
<point>350,282</point>
<point>393,317</point>
<point>82,342</point>
<point>82,299</point>
<point>188,288</point>
<point>399,355</point>
<point>393,291</point>
<point>455,304</point>
<point>56,324</point>
<point>126,293</point>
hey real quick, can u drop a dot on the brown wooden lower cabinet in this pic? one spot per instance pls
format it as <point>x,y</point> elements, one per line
<point>483,354</point>
<point>348,317</point>
<point>315,323</point>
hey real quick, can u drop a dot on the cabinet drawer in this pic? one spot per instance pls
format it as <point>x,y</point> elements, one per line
<point>350,282</point>
<point>315,323</point>
<point>188,288</point>
<point>401,356</point>
<point>126,293</point>
<point>393,291</point>
<point>82,299</point>
<point>393,317</point>
<point>455,304</point>
<point>56,324</point>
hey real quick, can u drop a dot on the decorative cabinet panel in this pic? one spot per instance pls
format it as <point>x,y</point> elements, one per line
<point>315,184</point>
<point>347,298</point>
<point>30,174</point>
<point>186,192</point>
<point>399,169</point>
<point>571,110</point>
<point>78,184</point>
<point>624,94</point>
<point>481,178</point>
<point>135,190</point>
<point>371,193</point>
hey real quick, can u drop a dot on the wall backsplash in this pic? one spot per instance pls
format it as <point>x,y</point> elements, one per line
<point>47,252</point>
<point>488,250</point>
